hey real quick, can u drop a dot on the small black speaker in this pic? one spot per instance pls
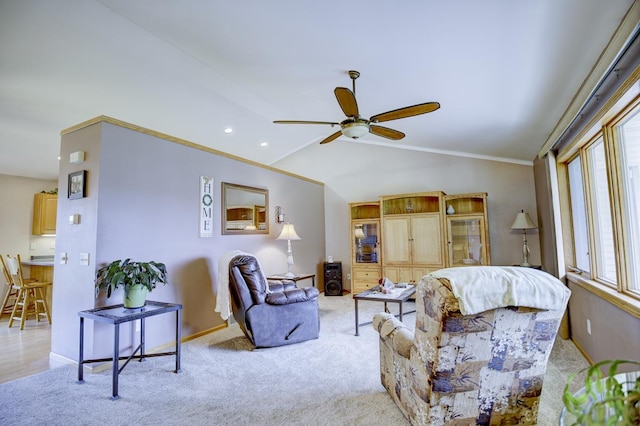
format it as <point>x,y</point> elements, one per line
<point>333,278</point>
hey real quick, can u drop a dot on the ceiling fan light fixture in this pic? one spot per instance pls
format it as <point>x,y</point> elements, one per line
<point>355,130</point>
<point>354,126</point>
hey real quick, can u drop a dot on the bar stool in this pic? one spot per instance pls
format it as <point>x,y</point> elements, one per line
<point>12,292</point>
<point>31,298</point>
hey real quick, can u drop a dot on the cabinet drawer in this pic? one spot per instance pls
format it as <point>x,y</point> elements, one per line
<point>366,274</point>
<point>359,287</point>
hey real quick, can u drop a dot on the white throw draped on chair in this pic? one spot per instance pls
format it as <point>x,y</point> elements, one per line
<point>482,288</point>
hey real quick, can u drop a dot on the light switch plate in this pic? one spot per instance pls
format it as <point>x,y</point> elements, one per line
<point>84,259</point>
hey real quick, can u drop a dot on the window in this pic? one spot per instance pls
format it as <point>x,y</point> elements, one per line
<point>603,226</point>
<point>602,172</point>
<point>579,216</point>
<point>629,141</point>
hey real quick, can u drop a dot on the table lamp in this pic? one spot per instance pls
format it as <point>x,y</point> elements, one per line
<point>289,233</point>
<point>524,222</point>
<point>359,235</point>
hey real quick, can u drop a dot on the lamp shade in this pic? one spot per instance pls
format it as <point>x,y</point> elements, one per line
<point>288,233</point>
<point>359,233</point>
<point>523,221</point>
<point>355,130</point>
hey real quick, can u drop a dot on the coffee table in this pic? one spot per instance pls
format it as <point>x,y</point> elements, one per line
<point>399,296</point>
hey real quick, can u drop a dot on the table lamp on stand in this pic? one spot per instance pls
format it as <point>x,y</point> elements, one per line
<point>359,235</point>
<point>289,233</point>
<point>524,222</point>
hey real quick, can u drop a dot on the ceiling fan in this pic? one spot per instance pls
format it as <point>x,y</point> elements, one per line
<point>355,126</point>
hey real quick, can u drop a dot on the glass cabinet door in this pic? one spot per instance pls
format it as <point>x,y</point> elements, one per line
<point>466,246</point>
<point>365,241</point>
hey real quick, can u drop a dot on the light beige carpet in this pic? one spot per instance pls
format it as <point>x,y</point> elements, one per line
<point>333,380</point>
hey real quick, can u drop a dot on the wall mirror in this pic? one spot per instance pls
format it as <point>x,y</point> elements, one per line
<point>244,209</point>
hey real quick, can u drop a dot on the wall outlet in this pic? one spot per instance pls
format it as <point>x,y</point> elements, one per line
<point>33,246</point>
<point>348,276</point>
<point>589,326</point>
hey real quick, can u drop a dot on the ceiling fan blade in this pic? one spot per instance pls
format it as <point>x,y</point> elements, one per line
<point>386,132</point>
<point>405,112</point>
<point>304,122</point>
<point>347,101</point>
<point>331,138</point>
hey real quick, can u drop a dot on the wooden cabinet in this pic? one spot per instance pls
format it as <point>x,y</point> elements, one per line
<point>467,230</point>
<point>412,235</point>
<point>406,275</point>
<point>45,208</point>
<point>43,273</point>
<point>404,237</point>
<point>366,269</point>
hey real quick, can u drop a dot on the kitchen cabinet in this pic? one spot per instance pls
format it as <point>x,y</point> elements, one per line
<point>45,209</point>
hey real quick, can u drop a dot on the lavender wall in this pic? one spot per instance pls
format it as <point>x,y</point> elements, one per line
<point>142,203</point>
<point>615,334</point>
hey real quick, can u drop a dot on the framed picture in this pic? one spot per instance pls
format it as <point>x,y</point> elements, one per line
<point>77,184</point>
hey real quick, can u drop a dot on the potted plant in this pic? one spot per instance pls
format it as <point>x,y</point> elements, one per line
<point>137,278</point>
<point>610,400</point>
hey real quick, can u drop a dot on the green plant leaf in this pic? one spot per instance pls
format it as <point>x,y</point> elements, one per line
<point>604,401</point>
<point>127,273</point>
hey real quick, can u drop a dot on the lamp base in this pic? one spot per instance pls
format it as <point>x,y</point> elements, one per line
<point>525,264</point>
<point>290,275</point>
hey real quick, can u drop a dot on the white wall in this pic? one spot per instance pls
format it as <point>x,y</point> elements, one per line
<point>16,215</point>
<point>365,172</point>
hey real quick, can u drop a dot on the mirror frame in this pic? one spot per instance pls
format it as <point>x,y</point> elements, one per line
<point>254,208</point>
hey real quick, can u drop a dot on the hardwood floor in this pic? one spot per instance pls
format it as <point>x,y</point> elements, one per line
<point>24,352</point>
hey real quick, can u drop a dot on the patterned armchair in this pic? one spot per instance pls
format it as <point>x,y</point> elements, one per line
<point>455,369</point>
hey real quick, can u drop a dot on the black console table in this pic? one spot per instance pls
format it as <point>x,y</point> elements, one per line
<point>117,315</point>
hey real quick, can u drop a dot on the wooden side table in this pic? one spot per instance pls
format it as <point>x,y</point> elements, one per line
<point>116,315</point>
<point>298,277</point>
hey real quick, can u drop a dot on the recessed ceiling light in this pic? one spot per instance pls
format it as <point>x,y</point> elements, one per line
<point>228,130</point>
<point>264,143</point>
<point>58,158</point>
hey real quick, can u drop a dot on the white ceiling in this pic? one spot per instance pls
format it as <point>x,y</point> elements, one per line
<point>503,71</point>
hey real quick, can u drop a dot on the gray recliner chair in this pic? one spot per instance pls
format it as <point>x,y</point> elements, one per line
<point>285,315</point>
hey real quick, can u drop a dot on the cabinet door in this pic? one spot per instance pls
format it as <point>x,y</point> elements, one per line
<point>365,242</point>
<point>467,245</point>
<point>49,215</point>
<point>395,242</point>
<point>418,273</point>
<point>426,232</point>
<point>405,275</point>
<point>45,208</point>
<point>364,279</point>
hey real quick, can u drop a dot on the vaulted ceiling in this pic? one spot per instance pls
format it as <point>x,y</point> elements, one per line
<point>503,71</point>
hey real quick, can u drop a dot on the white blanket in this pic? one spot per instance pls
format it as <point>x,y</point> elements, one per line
<point>223,301</point>
<point>482,288</point>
